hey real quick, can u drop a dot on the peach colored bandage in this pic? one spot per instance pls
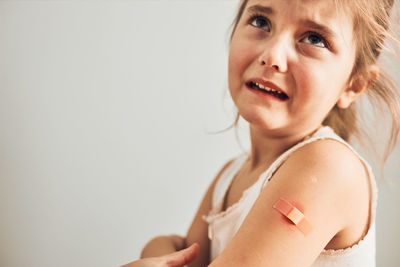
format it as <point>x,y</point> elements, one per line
<point>293,214</point>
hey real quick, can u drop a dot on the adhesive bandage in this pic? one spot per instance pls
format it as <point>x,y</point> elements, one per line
<point>294,215</point>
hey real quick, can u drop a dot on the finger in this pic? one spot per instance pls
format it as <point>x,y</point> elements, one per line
<point>179,241</point>
<point>182,257</point>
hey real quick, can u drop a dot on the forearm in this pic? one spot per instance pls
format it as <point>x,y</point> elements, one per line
<point>163,245</point>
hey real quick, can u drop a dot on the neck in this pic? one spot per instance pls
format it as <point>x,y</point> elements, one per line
<point>267,148</point>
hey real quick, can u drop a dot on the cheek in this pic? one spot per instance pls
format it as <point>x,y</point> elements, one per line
<point>233,74</point>
<point>307,80</point>
<point>235,62</point>
<point>241,55</point>
<point>321,83</point>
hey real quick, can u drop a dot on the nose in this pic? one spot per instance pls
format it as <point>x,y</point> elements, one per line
<point>274,54</point>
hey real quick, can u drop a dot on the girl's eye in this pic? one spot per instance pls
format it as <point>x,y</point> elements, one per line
<point>260,22</point>
<point>315,39</point>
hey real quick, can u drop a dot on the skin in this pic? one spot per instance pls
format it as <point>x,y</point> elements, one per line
<point>284,48</point>
<point>175,259</point>
<point>163,245</point>
<point>315,78</point>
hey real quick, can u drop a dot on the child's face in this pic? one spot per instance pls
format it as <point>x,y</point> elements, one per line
<point>304,48</point>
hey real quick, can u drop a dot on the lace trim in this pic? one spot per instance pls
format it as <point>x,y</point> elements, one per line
<point>342,251</point>
<point>220,214</point>
<point>351,249</point>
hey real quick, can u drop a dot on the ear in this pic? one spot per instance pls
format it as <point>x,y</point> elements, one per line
<point>357,87</point>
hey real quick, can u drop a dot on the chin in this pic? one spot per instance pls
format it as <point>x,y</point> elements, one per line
<point>262,121</point>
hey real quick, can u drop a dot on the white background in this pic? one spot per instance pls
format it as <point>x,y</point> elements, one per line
<point>106,109</point>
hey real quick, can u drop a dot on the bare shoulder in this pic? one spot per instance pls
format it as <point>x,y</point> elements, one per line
<point>327,182</point>
<point>330,168</point>
<point>329,154</point>
<point>341,175</point>
<point>327,164</point>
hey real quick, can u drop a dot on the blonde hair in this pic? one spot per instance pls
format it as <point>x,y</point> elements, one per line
<point>371,28</point>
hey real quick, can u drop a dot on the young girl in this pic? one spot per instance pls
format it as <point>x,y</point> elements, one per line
<point>296,68</point>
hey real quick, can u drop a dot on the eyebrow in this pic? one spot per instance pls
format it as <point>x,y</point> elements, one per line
<point>309,23</point>
<point>262,9</point>
<point>319,27</point>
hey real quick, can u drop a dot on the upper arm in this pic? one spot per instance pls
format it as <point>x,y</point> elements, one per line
<point>318,179</point>
<point>198,231</point>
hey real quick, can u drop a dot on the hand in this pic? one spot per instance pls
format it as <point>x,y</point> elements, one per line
<point>176,259</point>
<point>163,245</point>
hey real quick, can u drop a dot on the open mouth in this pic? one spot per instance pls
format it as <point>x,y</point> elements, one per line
<point>266,90</point>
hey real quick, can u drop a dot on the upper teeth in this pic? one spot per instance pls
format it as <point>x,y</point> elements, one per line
<point>266,88</point>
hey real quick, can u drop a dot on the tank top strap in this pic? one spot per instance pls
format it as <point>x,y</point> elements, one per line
<point>224,182</point>
<point>323,133</point>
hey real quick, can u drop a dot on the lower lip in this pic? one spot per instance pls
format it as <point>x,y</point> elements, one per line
<point>263,95</point>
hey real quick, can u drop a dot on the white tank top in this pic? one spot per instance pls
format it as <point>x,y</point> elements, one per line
<point>223,225</point>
